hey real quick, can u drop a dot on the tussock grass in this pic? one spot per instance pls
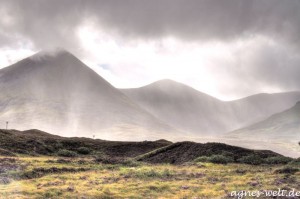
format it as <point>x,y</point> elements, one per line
<point>195,180</point>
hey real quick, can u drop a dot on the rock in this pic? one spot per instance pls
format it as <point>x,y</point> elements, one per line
<point>5,180</point>
<point>240,171</point>
<point>71,188</point>
<point>254,183</point>
<point>185,187</point>
<point>83,177</point>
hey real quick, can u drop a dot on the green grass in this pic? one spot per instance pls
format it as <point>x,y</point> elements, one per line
<point>97,180</point>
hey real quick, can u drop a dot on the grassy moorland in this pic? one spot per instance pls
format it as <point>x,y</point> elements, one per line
<point>34,164</point>
<point>53,177</point>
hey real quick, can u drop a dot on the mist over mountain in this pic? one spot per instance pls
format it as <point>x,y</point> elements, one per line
<point>56,92</point>
<point>258,107</point>
<point>180,106</point>
<point>280,132</point>
<point>283,126</point>
<point>190,110</point>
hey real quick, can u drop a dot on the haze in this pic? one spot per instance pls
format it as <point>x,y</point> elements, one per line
<point>227,49</point>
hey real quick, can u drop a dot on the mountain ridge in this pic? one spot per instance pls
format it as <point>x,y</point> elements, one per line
<point>191,110</point>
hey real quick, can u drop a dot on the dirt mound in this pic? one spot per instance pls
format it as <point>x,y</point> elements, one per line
<point>182,152</point>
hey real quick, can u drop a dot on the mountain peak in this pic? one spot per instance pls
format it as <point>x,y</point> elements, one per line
<point>50,54</point>
<point>55,63</point>
<point>166,83</point>
<point>52,51</point>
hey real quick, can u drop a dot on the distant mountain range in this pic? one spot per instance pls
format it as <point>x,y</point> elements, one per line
<point>57,93</point>
<point>192,111</point>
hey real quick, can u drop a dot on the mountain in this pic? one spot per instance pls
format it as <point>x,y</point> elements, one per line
<point>283,126</point>
<point>180,106</point>
<point>258,107</point>
<point>56,92</point>
<point>192,111</point>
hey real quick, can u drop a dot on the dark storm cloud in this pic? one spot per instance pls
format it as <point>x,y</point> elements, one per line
<point>55,20</point>
<point>45,23</point>
<point>203,19</point>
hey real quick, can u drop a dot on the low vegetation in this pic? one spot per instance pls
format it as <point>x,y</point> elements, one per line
<point>287,170</point>
<point>35,142</point>
<point>218,159</point>
<point>251,160</point>
<point>83,177</point>
<point>84,150</point>
<point>66,153</point>
<point>41,165</point>
<point>181,152</point>
<point>278,160</point>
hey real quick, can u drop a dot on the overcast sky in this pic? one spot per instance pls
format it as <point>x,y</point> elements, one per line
<point>228,49</point>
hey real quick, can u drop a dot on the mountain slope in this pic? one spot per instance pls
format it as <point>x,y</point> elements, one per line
<point>180,106</point>
<point>190,110</point>
<point>284,126</point>
<point>59,94</point>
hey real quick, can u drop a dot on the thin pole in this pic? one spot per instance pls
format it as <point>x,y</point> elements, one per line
<point>6,125</point>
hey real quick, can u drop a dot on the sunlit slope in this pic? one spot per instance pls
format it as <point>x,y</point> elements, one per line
<point>59,94</point>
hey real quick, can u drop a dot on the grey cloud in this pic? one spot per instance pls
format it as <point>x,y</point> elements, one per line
<point>46,24</point>
<point>264,67</point>
<point>202,19</point>
<point>55,20</point>
<point>277,67</point>
<point>53,23</point>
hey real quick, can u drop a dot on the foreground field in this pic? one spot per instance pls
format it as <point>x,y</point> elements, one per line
<point>50,177</point>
